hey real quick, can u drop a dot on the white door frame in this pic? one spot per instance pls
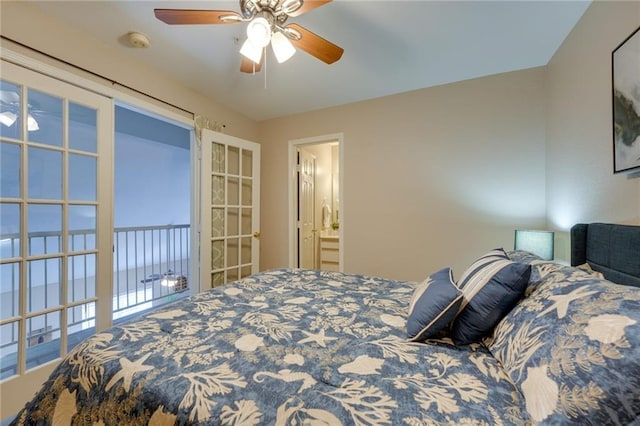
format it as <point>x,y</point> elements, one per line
<point>292,179</point>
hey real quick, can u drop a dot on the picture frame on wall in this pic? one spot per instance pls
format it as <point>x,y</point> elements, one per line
<point>625,66</point>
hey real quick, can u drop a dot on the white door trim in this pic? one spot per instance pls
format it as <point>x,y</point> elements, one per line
<point>292,179</point>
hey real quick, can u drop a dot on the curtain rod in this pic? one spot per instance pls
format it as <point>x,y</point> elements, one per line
<point>95,74</point>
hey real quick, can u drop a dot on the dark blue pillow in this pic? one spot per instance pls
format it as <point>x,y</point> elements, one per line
<point>433,305</point>
<point>490,288</point>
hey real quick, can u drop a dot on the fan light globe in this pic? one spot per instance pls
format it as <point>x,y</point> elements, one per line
<point>259,32</point>
<point>8,118</point>
<point>282,47</point>
<point>251,51</point>
<point>32,124</point>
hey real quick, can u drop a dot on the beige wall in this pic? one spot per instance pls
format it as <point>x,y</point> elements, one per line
<point>26,24</point>
<point>581,186</point>
<point>432,178</point>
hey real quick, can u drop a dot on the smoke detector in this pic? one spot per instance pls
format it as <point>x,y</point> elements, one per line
<point>138,40</point>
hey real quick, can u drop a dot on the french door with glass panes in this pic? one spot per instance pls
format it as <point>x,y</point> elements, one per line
<point>56,227</point>
<point>230,216</point>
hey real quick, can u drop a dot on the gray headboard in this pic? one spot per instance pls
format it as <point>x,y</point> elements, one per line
<point>611,249</point>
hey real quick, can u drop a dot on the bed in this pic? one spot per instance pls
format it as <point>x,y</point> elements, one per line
<point>293,346</point>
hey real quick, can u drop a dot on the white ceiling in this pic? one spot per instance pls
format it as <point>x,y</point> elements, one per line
<point>390,47</point>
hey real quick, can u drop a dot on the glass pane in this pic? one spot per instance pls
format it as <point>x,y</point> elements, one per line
<point>10,162</point>
<point>44,122</point>
<point>247,163</point>
<point>217,158</point>
<point>43,339</point>
<point>217,254</point>
<point>245,253</point>
<point>81,322</point>
<point>217,190</point>
<point>247,185</point>
<point>246,222</point>
<point>82,277</point>
<point>9,349</point>
<point>245,271</point>
<point>83,133</point>
<point>43,284</point>
<point>82,177</point>
<point>45,174</point>
<point>217,222</point>
<point>217,279</point>
<point>232,252</point>
<point>234,160</point>
<point>9,286</point>
<point>82,228</point>
<point>232,275</point>
<point>45,229</point>
<point>10,108</point>
<point>233,192</point>
<point>232,222</point>
<point>9,230</point>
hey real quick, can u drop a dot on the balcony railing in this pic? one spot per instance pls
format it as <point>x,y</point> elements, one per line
<point>151,265</point>
<point>150,268</point>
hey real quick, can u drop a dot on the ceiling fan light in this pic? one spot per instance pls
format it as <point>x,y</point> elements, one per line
<point>282,47</point>
<point>8,118</point>
<point>32,124</point>
<point>251,51</point>
<point>259,32</point>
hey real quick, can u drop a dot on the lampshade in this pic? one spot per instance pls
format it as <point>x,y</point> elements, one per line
<point>282,47</point>
<point>8,118</point>
<point>539,243</point>
<point>32,124</point>
<point>251,51</point>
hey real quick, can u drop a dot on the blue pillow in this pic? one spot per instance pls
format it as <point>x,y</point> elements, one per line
<point>433,305</point>
<point>490,288</point>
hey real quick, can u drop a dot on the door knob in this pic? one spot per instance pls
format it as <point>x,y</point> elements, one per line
<point>256,234</point>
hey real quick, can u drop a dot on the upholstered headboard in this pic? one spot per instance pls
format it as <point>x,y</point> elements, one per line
<point>611,249</point>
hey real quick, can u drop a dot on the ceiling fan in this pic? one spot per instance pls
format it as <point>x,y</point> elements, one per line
<point>267,24</point>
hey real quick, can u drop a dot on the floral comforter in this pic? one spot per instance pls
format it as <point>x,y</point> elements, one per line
<point>280,347</point>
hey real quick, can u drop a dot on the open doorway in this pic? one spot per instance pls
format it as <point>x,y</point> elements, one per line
<point>316,220</point>
<point>152,211</point>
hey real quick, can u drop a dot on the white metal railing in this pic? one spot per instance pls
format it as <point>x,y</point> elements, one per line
<point>151,265</point>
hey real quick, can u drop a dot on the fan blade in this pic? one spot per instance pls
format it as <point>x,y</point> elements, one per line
<point>315,45</point>
<point>248,65</point>
<point>308,5</point>
<point>187,16</point>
